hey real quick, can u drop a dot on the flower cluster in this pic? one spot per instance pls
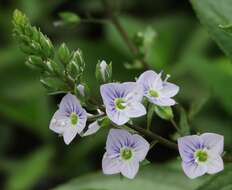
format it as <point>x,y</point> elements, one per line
<point>123,102</point>
<point>62,71</point>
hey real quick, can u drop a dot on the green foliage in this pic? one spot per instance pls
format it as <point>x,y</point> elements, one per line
<point>148,178</point>
<point>212,14</point>
<point>26,173</point>
<point>179,46</point>
<point>221,181</point>
<point>184,124</point>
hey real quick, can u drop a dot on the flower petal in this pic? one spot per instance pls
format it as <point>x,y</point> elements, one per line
<point>58,122</point>
<point>129,169</point>
<point>213,142</point>
<point>92,128</point>
<point>69,104</point>
<point>150,80</point>
<point>69,134</point>
<point>187,146</point>
<point>215,165</point>
<point>162,101</point>
<point>117,139</point>
<point>169,90</point>
<point>134,91</point>
<point>141,147</point>
<point>110,165</point>
<point>81,89</point>
<point>135,110</point>
<point>193,170</point>
<point>118,117</point>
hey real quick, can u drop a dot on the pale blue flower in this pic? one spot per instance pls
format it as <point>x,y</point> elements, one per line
<point>70,119</point>
<point>124,152</point>
<point>158,92</point>
<point>201,154</point>
<point>122,101</point>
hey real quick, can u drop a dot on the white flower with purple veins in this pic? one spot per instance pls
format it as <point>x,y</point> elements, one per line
<point>123,101</point>
<point>124,152</point>
<point>201,154</point>
<point>70,119</point>
<point>157,91</point>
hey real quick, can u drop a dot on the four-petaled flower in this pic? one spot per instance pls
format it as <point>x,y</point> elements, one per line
<point>157,91</point>
<point>124,151</point>
<point>123,101</point>
<point>70,119</point>
<point>201,154</point>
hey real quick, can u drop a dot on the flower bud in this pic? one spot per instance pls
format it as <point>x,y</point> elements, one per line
<point>64,54</point>
<point>164,112</point>
<point>35,62</point>
<point>76,65</point>
<point>103,72</point>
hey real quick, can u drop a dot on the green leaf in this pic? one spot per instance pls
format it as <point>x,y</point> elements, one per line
<point>164,112</point>
<point>227,28</point>
<point>196,106</point>
<point>184,125</point>
<point>212,14</point>
<point>26,173</point>
<point>148,177</point>
<point>221,181</point>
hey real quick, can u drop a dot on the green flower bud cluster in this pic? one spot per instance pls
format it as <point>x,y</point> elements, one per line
<point>61,70</point>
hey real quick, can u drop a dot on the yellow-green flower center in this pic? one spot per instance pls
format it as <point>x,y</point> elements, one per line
<point>120,103</point>
<point>126,154</point>
<point>74,119</point>
<point>153,93</point>
<point>201,156</point>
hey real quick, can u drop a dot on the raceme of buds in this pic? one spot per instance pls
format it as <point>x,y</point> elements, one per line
<point>103,72</point>
<point>32,41</point>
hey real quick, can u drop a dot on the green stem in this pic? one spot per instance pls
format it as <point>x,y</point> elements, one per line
<point>150,115</point>
<point>98,21</point>
<point>176,126</point>
<point>154,136</point>
<point>115,21</point>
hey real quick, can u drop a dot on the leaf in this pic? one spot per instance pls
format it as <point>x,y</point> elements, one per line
<point>227,28</point>
<point>212,14</point>
<point>26,173</point>
<point>196,106</point>
<point>148,177</point>
<point>171,31</point>
<point>164,112</point>
<point>221,181</point>
<point>184,124</point>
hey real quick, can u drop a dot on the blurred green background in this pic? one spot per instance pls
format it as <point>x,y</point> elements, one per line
<point>32,157</point>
